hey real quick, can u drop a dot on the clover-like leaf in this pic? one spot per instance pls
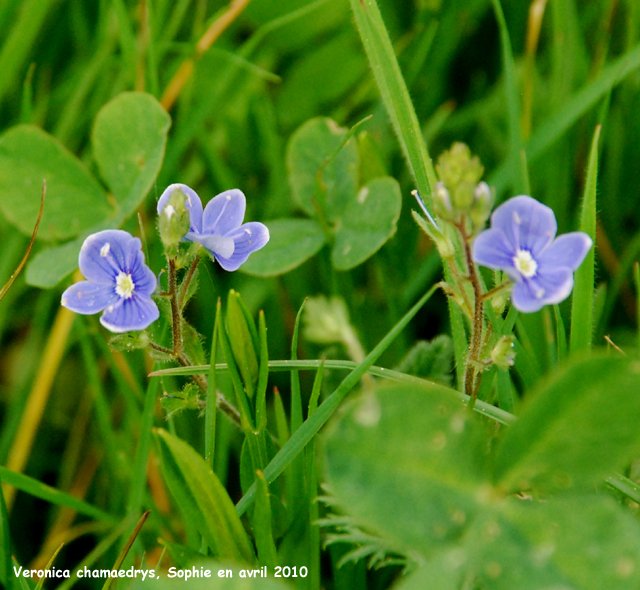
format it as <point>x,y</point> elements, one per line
<point>75,201</point>
<point>368,221</point>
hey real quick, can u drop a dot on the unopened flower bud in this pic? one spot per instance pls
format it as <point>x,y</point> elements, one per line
<point>442,201</point>
<point>174,222</point>
<point>482,203</point>
<point>503,354</point>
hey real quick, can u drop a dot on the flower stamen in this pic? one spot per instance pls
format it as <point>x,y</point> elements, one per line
<point>125,285</point>
<point>525,263</point>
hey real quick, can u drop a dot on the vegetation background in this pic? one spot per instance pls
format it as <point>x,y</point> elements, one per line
<point>70,408</point>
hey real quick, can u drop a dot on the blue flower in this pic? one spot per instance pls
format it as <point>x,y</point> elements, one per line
<point>119,282</point>
<point>219,227</point>
<point>521,243</point>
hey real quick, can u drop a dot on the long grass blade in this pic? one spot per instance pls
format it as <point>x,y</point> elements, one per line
<point>394,93</point>
<point>40,490</point>
<point>582,308</point>
<point>310,428</point>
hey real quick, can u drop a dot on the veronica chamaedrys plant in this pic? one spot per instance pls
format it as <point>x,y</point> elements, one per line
<point>219,228</point>
<point>521,243</point>
<point>118,282</point>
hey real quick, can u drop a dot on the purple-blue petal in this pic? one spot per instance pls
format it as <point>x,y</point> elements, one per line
<point>568,251</point>
<point>104,254</point>
<point>546,288</point>
<point>492,249</point>
<point>224,213</point>
<point>193,203</point>
<point>216,245</point>
<point>526,223</point>
<point>135,313</point>
<point>248,238</point>
<point>86,297</point>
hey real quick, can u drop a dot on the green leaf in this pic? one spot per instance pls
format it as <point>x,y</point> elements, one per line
<point>242,343</point>
<point>582,301</point>
<point>442,572</point>
<point>181,555</point>
<point>367,223</point>
<point>303,435</point>
<point>430,360</point>
<point>307,154</point>
<point>53,496</point>
<point>409,463</point>
<point>129,138</point>
<point>292,242</point>
<point>75,201</point>
<point>578,428</point>
<point>203,498</point>
<point>5,543</point>
<point>521,183</point>
<point>394,93</point>
<point>49,266</point>
<point>582,543</point>
<point>262,528</point>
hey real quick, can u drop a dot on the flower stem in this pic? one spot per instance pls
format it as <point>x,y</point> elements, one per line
<point>475,346</point>
<point>187,281</point>
<point>176,314</point>
<point>176,330</point>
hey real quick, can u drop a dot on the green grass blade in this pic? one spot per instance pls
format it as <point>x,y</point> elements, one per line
<point>267,553</point>
<point>520,179</point>
<point>310,428</point>
<point>212,396</point>
<point>394,93</point>
<point>636,281</point>
<point>40,490</point>
<point>574,108</point>
<point>19,40</point>
<point>5,543</point>
<point>561,335</point>
<point>263,377</point>
<point>48,567</point>
<point>582,301</point>
<point>138,484</point>
<point>199,492</point>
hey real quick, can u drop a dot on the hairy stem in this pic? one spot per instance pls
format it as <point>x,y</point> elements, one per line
<point>176,314</point>
<point>176,330</point>
<point>475,347</point>
<point>187,282</point>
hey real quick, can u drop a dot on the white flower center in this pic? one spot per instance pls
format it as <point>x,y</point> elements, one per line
<point>525,263</point>
<point>124,285</point>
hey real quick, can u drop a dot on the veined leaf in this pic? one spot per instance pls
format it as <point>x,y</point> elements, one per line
<point>409,463</point>
<point>129,138</point>
<point>203,498</point>
<point>577,428</point>
<point>75,201</point>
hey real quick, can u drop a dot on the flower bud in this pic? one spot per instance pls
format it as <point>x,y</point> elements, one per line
<point>174,222</point>
<point>460,194</point>
<point>502,354</point>
<point>442,201</point>
<point>481,207</point>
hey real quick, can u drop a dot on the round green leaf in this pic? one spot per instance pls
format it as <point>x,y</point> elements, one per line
<point>581,426</point>
<point>74,202</point>
<point>292,242</point>
<point>129,138</point>
<point>308,151</point>
<point>367,223</point>
<point>577,542</point>
<point>409,463</point>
